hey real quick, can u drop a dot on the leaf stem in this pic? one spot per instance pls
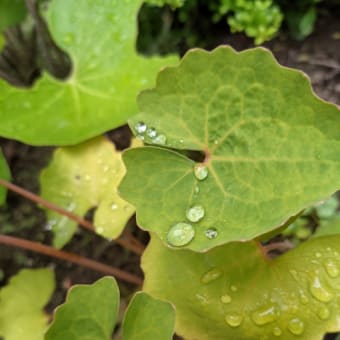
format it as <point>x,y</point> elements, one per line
<point>63,255</point>
<point>135,246</point>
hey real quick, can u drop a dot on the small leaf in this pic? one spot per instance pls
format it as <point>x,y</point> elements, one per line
<point>82,177</point>
<point>272,148</point>
<point>4,174</point>
<point>90,312</point>
<point>148,318</point>
<point>235,292</point>
<point>22,302</point>
<point>106,77</point>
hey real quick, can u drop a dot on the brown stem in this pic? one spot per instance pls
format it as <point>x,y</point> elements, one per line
<point>135,247</point>
<point>283,246</point>
<point>82,261</point>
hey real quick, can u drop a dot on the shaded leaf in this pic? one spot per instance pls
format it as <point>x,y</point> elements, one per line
<point>90,312</point>
<point>272,148</point>
<point>235,292</point>
<point>148,318</point>
<point>82,177</point>
<point>329,227</point>
<point>22,302</point>
<point>106,77</point>
<point>11,12</point>
<point>4,174</point>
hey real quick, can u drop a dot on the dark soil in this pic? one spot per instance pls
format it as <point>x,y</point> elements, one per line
<point>318,56</point>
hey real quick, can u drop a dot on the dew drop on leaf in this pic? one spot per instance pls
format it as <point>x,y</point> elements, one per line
<point>225,298</point>
<point>233,288</point>
<point>319,291</point>
<point>160,139</point>
<point>296,326</point>
<point>303,298</point>
<point>264,315</point>
<point>211,233</point>
<point>140,127</point>
<point>114,206</point>
<point>180,234</point>
<point>197,189</point>
<point>277,331</point>
<point>195,213</point>
<point>324,313</point>
<point>211,275</point>
<point>233,319</point>
<point>201,172</point>
<point>331,268</point>
<point>318,255</point>
<point>151,132</point>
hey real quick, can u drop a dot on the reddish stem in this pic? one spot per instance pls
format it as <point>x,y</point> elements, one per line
<point>82,261</point>
<point>136,247</point>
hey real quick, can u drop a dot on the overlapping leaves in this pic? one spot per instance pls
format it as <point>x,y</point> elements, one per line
<point>100,93</point>
<point>235,292</point>
<point>271,147</point>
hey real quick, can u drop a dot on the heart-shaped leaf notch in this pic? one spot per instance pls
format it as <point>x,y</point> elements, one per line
<point>272,148</point>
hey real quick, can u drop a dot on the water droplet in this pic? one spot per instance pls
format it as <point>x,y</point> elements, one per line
<point>114,206</point>
<point>151,132</point>
<point>49,225</point>
<point>195,213</point>
<point>201,172</point>
<point>160,139</point>
<point>324,313</point>
<point>87,177</point>
<point>294,274</point>
<point>226,298</point>
<point>100,230</point>
<point>180,234</point>
<point>233,319</point>
<point>277,331</point>
<point>296,326</point>
<point>319,291</point>
<point>140,127</point>
<point>211,233</point>
<point>265,315</point>
<point>318,255</point>
<point>303,298</point>
<point>211,275</point>
<point>233,288</point>
<point>197,189</point>
<point>331,268</point>
<point>140,137</point>
<point>71,206</point>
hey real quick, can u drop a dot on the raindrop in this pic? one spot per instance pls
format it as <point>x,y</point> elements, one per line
<point>318,255</point>
<point>331,268</point>
<point>180,234</point>
<point>324,313</point>
<point>320,292</point>
<point>195,213</point>
<point>140,127</point>
<point>160,139</point>
<point>277,331</point>
<point>233,288</point>
<point>265,315</point>
<point>303,298</point>
<point>197,189</point>
<point>151,132</point>
<point>296,326</point>
<point>211,233</point>
<point>100,230</point>
<point>211,275</point>
<point>233,319</point>
<point>226,298</point>
<point>201,172</point>
<point>114,206</point>
<point>87,177</point>
<point>49,225</point>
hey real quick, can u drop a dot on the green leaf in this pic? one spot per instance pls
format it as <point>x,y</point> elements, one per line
<point>82,177</point>
<point>90,312</point>
<point>4,174</point>
<point>22,302</point>
<point>272,148</point>
<point>100,93</point>
<point>329,227</point>
<point>235,292</point>
<point>148,318</point>
<point>328,208</point>
<point>11,12</point>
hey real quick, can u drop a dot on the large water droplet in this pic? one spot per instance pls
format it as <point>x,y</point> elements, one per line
<point>277,331</point>
<point>201,172</point>
<point>319,291</point>
<point>141,127</point>
<point>151,132</point>
<point>195,213</point>
<point>160,139</point>
<point>296,326</point>
<point>211,275</point>
<point>233,319</point>
<point>324,313</point>
<point>211,233</point>
<point>265,315</point>
<point>331,268</point>
<point>180,234</point>
<point>225,298</point>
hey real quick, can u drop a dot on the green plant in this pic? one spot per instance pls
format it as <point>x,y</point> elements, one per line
<point>236,147</point>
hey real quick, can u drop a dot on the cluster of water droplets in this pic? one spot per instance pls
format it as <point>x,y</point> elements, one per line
<point>152,135</point>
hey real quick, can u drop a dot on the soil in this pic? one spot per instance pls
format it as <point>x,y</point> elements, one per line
<point>318,56</point>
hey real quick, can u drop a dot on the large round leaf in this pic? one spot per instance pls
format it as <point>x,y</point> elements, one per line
<point>236,292</point>
<point>106,77</point>
<point>271,148</point>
